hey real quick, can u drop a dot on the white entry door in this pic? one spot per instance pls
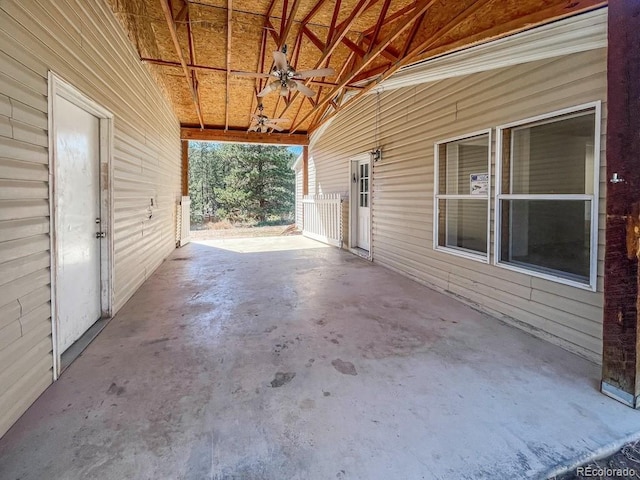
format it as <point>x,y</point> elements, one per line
<point>77,220</point>
<point>364,200</point>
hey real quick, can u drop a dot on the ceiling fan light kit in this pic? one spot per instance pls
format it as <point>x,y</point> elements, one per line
<point>288,80</point>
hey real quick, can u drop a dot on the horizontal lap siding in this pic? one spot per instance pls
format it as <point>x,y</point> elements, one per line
<point>83,43</point>
<point>410,121</point>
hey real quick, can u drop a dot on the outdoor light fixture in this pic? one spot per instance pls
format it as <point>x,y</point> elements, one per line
<point>376,155</point>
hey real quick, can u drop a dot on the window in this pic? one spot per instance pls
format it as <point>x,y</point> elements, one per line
<point>462,184</point>
<point>546,206</point>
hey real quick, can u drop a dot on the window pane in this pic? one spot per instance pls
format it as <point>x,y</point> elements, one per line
<point>555,157</point>
<point>551,236</point>
<point>462,166</point>
<point>462,224</point>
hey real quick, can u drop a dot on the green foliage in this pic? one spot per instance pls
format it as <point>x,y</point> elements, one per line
<point>240,182</point>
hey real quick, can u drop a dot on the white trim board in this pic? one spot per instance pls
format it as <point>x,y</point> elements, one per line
<point>575,34</point>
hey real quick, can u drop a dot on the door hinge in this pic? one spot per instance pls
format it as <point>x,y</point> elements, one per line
<point>100,234</point>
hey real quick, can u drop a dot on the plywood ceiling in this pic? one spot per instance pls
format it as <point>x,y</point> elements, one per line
<point>194,47</point>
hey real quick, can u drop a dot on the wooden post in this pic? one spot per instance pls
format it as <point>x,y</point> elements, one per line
<point>305,170</point>
<point>185,168</point>
<point>621,336</point>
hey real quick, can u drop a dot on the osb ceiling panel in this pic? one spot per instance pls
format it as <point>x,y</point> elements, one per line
<point>319,33</point>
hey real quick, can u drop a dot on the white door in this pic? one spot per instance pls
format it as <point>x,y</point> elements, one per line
<point>77,220</point>
<point>364,200</point>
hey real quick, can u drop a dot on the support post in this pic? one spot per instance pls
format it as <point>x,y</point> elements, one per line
<point>621,323</point>
<point>185,168</point>
<point>305,170</point>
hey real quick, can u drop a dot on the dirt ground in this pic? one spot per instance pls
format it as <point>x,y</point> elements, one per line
<point>244,232</point>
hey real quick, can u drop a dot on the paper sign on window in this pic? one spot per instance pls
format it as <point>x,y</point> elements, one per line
<point>479,183</point>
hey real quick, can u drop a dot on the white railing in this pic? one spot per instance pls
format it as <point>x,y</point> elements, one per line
<point>322,218</point>
<point>185,220</point>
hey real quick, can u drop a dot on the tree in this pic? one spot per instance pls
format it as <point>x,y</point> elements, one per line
<point>241,182</point>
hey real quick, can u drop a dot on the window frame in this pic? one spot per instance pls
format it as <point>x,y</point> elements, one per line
<point>594,198</point>
<point>468,254</point>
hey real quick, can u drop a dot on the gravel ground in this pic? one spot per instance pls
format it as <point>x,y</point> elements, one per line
<point>622,465</point>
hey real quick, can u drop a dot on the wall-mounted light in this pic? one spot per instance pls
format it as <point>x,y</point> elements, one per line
<point>376,155</point>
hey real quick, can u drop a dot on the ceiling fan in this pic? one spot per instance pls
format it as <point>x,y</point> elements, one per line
<point>287,79</point>
<point>261,123</point>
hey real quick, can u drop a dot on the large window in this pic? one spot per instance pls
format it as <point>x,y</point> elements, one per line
<point>547,190</point>
<point>462,184</point>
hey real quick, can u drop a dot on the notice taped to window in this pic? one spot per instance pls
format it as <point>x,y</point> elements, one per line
<point>479,183</point>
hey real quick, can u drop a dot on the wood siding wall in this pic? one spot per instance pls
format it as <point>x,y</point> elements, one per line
<point>410,121</point>
<point>82,42</point>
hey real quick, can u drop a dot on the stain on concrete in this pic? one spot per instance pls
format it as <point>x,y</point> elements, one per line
<point>347,368</point>
<point>270,329</point>
<point>180,259</point>
<point>115,390</point>
<point>282,378</point>
<point>310,362</point>
<point>326,394</point>
<point>307,404</point>
<point>157,340</point>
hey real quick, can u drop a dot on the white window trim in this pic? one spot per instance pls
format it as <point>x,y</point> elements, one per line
<point>478,257</point>
<point>595,198</point>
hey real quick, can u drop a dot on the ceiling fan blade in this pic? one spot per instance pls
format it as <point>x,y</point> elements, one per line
<point>280,60</point>
<point>274,126</point>
<point>251,74</point>
<point>276,120</point>
<point>304,89</point>
<point>273,86</point>
<point>253,128</point>
<point>319,72</point>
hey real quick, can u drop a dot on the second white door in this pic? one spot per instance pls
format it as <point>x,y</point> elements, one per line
<point>364,200</point>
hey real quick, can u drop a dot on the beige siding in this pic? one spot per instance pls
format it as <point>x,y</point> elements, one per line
<point>411,120</point>
<point>82,42</point>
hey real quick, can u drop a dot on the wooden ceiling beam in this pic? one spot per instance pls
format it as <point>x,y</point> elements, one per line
<point>381,20</point>
<point>411,36</point>
<point>182,13</point>
<point>168,14</point>
<point>192,58</point>
<point>312,36</point>
<point>287,27</point>
<point>354,47</point>
<point>334,19</point>
<point>313,11</point>
<point>421,7</point>
<point>393,17</point>
<point>227,105</point>
<point>242,136</point>
<point>410,58</point>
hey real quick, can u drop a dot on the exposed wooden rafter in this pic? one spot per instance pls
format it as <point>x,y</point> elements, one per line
<point>411,55</point>
<point>176,43</point>
<point>228,89</point>
<point>421,7</point>
<point>192,56</point>
<point>241,136</point>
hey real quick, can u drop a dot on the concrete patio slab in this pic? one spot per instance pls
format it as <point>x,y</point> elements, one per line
<point>281,358</point>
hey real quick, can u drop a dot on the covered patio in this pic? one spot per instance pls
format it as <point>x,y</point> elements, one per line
<point>285,358</point>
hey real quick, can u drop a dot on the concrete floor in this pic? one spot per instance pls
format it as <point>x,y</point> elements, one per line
<point>281,358</point>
